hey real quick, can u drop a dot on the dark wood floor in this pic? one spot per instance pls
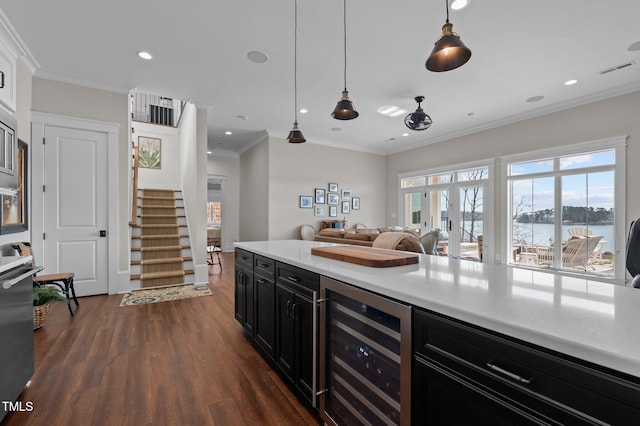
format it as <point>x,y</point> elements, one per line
<point>175,363</point>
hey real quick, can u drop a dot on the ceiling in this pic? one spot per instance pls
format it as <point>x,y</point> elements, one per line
<point>521,50</point>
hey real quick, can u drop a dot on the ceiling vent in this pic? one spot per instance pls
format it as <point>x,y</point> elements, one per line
<point>214,186</point>
<point>616,68</point>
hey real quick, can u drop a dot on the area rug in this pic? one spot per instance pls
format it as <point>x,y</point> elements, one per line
<point>164,294</point>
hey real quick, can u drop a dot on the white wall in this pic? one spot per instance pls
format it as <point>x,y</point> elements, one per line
<point>193,179</point>
<point>254,193</point>
<point>168,175</point>
<point>227,164</point>
<point>296,170</point>
<point>600,120</point>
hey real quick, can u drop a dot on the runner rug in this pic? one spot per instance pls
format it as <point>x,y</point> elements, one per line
<point>164,294</point>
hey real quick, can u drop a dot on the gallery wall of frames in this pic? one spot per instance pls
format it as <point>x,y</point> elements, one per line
<point>330,201</point>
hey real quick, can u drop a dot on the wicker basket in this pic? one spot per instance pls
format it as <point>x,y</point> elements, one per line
<point>40,314</point>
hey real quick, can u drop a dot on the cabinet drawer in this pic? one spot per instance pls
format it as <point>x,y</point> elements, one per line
<point>523,369</point>
<point>264,266</point>
<point>288,274</point>
<point>244,258</point>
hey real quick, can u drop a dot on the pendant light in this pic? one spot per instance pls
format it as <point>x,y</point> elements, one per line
<point>449,51</point>
<point>295,135</point>
<point>418,120</point>
<point>345,109</point>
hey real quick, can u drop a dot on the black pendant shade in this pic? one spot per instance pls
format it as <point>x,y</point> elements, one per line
<point>449,51</point>
<point>345,109</point>
<point>295,135</point>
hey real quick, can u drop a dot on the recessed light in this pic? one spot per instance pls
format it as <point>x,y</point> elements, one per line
<point>634,47</point>
<point>459,4</point>
<point>257,57</point>
<point>570,82</point>
<point>535,98</point>
<point>303,110</point>
<point>242,117</point>
<point>145,55</point>
<point>228,133</point>
<point>209,152</point>
<point>391,111</point>
<point>336,129</point>
<point>405,134</point>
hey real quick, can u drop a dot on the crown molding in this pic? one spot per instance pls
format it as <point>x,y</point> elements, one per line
<point>11,39</point>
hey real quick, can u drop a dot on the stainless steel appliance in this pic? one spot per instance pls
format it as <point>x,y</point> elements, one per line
<point>365,357</point>
<point>16,327</point>
<point>8,152</point>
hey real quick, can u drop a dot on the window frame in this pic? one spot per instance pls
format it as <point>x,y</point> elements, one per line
<point>618,144</point>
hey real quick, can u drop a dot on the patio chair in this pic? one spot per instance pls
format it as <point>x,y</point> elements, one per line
<point>576,253</point>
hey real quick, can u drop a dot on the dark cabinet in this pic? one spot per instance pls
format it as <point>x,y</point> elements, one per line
<point>296,329</point>
<point>264,287</point>
<point>500,380</point>
<point>244,290</point>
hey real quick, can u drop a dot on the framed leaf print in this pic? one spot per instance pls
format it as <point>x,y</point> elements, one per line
<point>149,152</point>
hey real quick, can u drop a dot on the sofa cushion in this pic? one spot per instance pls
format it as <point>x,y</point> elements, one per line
<point>330,232</point>
<point>357,236</point>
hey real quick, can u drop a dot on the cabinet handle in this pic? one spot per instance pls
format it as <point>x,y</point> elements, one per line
<point>261,281</point>
<point>509,374</point>
<point>1,79</point>
<point>294,279</point>
<point>294,311</point>
<point>289,302</point>
<point>263,265</point>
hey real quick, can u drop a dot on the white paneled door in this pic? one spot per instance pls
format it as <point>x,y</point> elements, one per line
<point>75,207</point>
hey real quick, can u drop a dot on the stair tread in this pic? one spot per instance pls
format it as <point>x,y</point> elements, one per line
<point>162,260</point>
<point>160,248</point>
<point>157,237</point>
<point>161,275</point>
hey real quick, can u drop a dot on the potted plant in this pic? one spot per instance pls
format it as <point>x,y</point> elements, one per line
<point>42,298</point>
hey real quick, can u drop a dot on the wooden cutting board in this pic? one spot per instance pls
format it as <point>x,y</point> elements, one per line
<point>367,256</point>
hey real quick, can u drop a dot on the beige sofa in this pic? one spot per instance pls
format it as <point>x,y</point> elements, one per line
<point>379,238</point>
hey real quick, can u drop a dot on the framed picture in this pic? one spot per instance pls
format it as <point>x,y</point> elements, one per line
<point>333,198</point>
<point>333,187</point>
<point>319,211</point>
<point>355,203</point>
<point>306,202</point>
<point>345,207</point>
<point>346,194</point>
<point>149,152</point>
<point>14,207</point>
<point>333,211</point>
<point>319,196</point>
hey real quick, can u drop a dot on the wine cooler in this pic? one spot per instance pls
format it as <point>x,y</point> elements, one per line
<point>365,357</point>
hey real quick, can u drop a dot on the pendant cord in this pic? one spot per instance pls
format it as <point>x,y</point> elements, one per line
<point>295,61</point>
<point>344,14</point>
<point>446,2</point>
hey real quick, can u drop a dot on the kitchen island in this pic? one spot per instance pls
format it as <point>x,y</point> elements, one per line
<point>570,324</point>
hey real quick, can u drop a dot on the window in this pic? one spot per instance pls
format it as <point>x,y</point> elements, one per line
<point>214,213</point>
<point>565,209</point>
<point>451,201</point>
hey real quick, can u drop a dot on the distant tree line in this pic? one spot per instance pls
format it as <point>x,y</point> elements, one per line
<point>570,214</point>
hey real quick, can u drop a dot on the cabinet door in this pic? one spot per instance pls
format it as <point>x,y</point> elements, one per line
<point>285,345</point>
<point>304,332</point>
<point>440,398</point>
<point>249,301</point>
<point>265,314</point>
<point>239,295</point>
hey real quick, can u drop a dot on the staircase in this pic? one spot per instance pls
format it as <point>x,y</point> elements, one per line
<point>160,250</point>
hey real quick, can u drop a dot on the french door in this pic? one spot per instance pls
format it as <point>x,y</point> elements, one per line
<point>452,203</point>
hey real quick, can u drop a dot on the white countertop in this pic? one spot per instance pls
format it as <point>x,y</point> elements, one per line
<point>10,262</point>
<point>590,320</point>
